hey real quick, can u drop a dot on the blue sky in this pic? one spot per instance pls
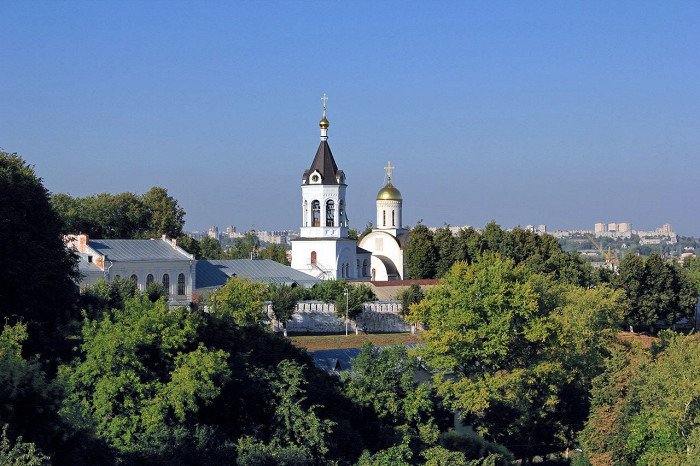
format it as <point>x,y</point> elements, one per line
<point>562,113</point>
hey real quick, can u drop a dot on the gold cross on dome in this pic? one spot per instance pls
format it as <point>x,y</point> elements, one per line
<point>388,169</point>
<point>324,99</point>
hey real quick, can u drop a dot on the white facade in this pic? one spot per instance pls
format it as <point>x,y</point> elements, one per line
<point>387,240</point>
<point>144,261</point>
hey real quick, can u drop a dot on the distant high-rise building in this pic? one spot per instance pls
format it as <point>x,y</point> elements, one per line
<point>230,230</point>
<point>213,232</point>
<point>600,228</point>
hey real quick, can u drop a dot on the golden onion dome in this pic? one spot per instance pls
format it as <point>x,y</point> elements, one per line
<point>389,193</point>
<point>324,122</point>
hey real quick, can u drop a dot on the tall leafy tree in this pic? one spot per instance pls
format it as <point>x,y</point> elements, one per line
<point>446,250</point>
<point>143,377</point>
<point>522,350</point>
<point>37,284</point>
<point>284,301</point>
<point>241,301</point>
<point>124,215</point>
<point>165,216</point>
<point>384,382</point>
<point>420,255</point>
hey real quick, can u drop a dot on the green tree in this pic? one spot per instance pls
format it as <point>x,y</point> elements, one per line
<point>419,253</point>
<point>328,290</point>
<point>383,381</point>
<point>210,248</point>
<point>446,250</point>
<point>692,266</point>
<point>284,301</point>
<point>124,215</point>
<point>520,349</point>
<point>469,245</point>
<point>240,300</point>
<point>354,302</point>
<point>143,377</point>
<point>275,252</point>
<point>190,245</point>
<point>37,284</point>
<point>20,453</point>
<point>165,216</point>
<point>408,296</point>
<point>646,405</point>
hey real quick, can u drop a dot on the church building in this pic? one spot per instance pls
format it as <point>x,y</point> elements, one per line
<point>388,238</point>
<point>324,249</point>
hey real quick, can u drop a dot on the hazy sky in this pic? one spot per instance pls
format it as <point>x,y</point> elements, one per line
<point>562,113</point>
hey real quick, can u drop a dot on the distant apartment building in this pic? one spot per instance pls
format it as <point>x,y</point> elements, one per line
<point>213,232</point>
<point>613,230</point>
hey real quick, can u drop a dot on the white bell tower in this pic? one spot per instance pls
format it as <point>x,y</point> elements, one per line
<point>324,249</point>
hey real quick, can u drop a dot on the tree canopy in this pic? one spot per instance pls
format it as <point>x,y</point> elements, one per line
<point>523,350</point>
<point>121,216</point>
<point>38,271</point>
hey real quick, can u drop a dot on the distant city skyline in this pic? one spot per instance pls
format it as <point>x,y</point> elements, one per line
<point>564,114</point>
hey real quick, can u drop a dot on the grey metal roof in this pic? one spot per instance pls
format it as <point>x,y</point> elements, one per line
<point>133,250</point>
<point>214,273</point>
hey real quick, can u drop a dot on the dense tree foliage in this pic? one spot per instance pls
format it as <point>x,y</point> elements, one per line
<point>242,248</point>
<point>353,302</point>
<point>656,290</point>
<point>384,382</point>
<point>284,300</point>
<point>420,255</point>
<point>431,255</point>
<point>37,280</point>
<point>522,342</point>
<point>124,215</point>
<point>692,268</point>
<point>646,405</point>
<point>409,296</point>
<point>523,350</point>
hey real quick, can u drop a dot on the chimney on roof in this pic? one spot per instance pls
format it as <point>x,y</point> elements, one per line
<point>78,242</point>
<point>173,242</point>
<point>164,237</point>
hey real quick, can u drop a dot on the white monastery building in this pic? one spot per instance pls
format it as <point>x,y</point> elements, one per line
<point>324,249</point>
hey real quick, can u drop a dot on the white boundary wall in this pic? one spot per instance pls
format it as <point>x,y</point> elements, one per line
<point>320,317</point>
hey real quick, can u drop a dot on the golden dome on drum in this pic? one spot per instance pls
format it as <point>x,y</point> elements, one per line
<point>324,122</point>
<point>389,193</point>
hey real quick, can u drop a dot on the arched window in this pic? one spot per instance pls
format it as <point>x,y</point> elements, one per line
<point>313,257</point>
<point>117,276</point>
<point>316,214</point>
<point>364,268</point>
<point>341,214</point>
<point>149,279</point>
<point>181,284</point>
<point>330,213</point>
<point>134,279</point>
<point>383,218</point>
<point>166,284</point>
<point>306,213</point>
<point>393,218</point>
